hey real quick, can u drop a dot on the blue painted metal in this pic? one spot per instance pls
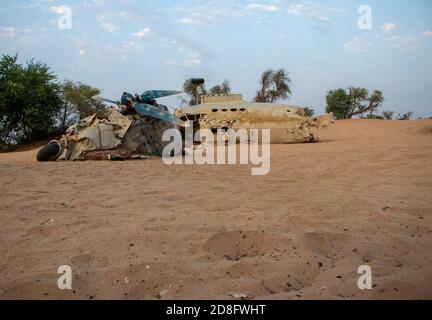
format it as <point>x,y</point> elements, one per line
<point>124,98</point>
<point>148,96</point>
<point>145,109</point>
<point>148,110</point>
<point>107,100</point>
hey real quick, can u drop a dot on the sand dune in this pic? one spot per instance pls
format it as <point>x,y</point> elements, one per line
<point>144,230</point>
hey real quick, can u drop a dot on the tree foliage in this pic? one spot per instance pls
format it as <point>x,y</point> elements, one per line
<point>191,90</point>
<point>67,114</point>
<point>355,102</point>
<point>339,102</point>
<point>309,112</point>
<point>406,116</point>
<point>275,85</point>
<point>34,106</point>
<point>375,117</point>
<point>81,97</point>
<point>223,88</point>
<point>388,115</point>
<point>29,101</point>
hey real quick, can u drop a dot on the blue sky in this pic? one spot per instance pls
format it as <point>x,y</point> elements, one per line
<point>142,45</point>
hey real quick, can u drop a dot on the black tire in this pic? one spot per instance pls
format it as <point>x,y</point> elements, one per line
<point>48,153</point>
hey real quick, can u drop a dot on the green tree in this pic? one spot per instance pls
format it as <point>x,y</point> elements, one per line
<point>81,97</point>
<point>191,90</point>
<point>67,113</point>
<point>29,101</point>
<point>375,116</point>
<point>339,102</point>
<point>388,115</point>
<point>223,88</point>
<point>262,95</point>
<point>309,112</point>
<point>355,102</point>
<point>358,96</point>
<point>372,104</point>
<point>405,116</point>
<point>275,85</point>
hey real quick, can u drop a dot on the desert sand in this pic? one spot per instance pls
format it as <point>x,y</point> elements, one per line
<point>144,230</point>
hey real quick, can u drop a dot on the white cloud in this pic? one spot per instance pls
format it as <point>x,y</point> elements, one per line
<point>357,44</point>
<point>332,9</point>
<point>126,48</point>
<point>185,64</point>
<point>142,32</point>
<point>401,42</point>
<point>189,21</point>
<point>376,41</point>
<point>94,3</point>
<point>262,7</point>
<point>192,62</point>
<point>300,10</point>
<point>388,27</point>
<point>106,23</point>
<point>427,34</point>
<point>186,21</point>
<point>211,13</point>
<point>109,26</point>
<point>297,10</point>
<point>8,32</point>
<point>59,10</point>
<point>81,52</point>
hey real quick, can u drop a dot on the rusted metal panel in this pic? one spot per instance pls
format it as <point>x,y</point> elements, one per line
<point>287,123</point>
<point>98,139</point>
<point>115,154</point>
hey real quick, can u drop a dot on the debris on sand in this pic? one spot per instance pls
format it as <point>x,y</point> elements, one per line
<point>238,295</point>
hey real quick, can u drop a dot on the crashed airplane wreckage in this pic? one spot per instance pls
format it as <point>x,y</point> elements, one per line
<point>136,131</point>
<point>287,123</point>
